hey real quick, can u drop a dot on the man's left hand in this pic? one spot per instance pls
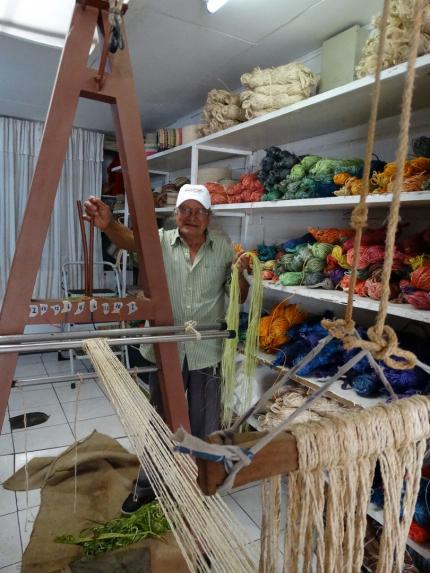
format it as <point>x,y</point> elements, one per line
<point>242,262</point>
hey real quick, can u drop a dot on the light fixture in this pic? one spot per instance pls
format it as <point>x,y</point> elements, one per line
<point>214,5</point>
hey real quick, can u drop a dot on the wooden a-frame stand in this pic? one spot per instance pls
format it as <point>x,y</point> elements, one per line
<point>116,87</point>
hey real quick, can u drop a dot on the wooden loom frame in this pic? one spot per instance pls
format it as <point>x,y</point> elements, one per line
<point>115,87</point>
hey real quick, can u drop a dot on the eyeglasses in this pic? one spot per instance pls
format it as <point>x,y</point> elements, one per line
<point>187,211</point>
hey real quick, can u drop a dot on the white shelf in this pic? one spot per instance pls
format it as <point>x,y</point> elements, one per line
<point>340,108</point>
<point>325,203</point>
<point>348,397</point>
<point>341,298</point>
<point>378,515</point>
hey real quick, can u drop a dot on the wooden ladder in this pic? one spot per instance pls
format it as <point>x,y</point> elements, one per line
<point>112,84</point>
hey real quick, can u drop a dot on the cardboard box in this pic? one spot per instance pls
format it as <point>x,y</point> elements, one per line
<point>340,55</point>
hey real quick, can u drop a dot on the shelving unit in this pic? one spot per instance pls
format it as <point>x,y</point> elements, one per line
<point>344,107</point>
<point>415,198</point>
<point>422,549</point>
<point>340,297</point>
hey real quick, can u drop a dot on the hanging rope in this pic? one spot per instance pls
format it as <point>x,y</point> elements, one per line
<point>383,342</point>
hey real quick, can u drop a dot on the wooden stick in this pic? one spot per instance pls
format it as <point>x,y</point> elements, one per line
<point>278,457</point>
<point>84,246</point>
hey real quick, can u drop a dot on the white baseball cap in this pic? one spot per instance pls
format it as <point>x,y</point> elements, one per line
<point>197,192</point>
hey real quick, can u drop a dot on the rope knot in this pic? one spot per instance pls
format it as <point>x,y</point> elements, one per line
<point>190,328</point>
<point>384,346</point>
<point>359,216</point>
<point>339,328</point>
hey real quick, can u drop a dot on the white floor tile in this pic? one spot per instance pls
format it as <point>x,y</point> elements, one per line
<point>250,501</point>
<point>248,525</point>
<point>36,370</point>
<point>52,452</point>
<point>55,413</point>
<point>43,438</point>
<point>16,568</point>
<point>33,499</point>
<point>109,425</point>
<point>89,389</point>
<point>7,498</point>
<point>32,400</point>
<point>125,443</point>
<point>88,409</point>
<point>26,359</point>
<point>51,357</point>
<point>10,541</point>
<point>54,368</point>
<point>26,522</point>
<point>6,444</point>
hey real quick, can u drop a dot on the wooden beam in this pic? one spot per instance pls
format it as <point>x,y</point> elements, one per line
<point>278,457</point>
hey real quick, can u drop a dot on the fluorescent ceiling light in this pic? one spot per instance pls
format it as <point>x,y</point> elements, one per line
<point>214,5</point>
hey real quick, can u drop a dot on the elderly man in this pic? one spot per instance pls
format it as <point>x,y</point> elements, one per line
<point>197,265</point>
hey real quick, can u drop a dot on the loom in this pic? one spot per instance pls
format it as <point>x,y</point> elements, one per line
<point>330,464</point>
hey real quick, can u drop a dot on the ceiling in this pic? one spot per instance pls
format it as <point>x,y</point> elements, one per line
<point>180,51</point>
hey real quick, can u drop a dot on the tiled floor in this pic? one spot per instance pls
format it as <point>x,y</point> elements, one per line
<point>17,509</point>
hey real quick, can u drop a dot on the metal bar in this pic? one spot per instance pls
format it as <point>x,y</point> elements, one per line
<point>80,334</point>
<point>194,164</point>
<point>50,346</point>
<point>74,377</point>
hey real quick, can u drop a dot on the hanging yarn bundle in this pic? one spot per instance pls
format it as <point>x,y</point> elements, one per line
<point>272,88</point>
<point>222,110</point>
<point>228,366</point>
<point>273,328</point>
<point>398,40</point>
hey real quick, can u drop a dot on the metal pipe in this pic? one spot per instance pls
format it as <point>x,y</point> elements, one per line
<point>150,330</point>
<point>50,346</point>
<point>74,377</point>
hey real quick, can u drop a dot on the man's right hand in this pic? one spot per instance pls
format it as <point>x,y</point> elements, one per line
<point>99,212</point>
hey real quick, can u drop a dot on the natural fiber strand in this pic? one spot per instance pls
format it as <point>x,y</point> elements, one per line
<point>270,524</point>
<point>75,423</point>
<point>343,452</point>
<point>205,528</point>
<point>228,364</point>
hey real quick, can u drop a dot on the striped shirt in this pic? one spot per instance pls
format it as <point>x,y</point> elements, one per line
<point>197,292</point>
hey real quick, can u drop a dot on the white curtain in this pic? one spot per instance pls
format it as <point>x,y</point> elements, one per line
<point>81,176</point>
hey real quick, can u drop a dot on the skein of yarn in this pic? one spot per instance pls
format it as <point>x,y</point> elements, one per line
<point>222,110</point>
<point>273,88</point>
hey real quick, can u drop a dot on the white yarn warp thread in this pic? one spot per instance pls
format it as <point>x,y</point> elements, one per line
<point>398,37</point>
<point>207,533</point>
<point>273,88</point>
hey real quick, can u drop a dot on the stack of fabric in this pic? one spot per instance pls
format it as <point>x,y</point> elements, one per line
<point>151,145</point>
<point>398,37</point>
<point>222,110</point>
<point>273,88</point>
<point>168,138</point>
<point>167,195</point>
